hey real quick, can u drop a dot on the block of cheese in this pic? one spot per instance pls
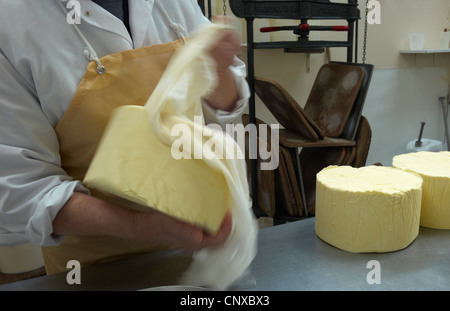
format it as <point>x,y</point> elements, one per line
<point>434,168</point>
<point>367,209</point>
<point>132,163</point>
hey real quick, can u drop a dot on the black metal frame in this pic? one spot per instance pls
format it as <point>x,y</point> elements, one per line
<point>302,10</point>
<point>202,3</point>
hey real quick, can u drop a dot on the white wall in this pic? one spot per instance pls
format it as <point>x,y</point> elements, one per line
<point>398,100</point>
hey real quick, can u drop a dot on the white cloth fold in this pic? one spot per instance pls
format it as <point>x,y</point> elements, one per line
<point>191,75</point>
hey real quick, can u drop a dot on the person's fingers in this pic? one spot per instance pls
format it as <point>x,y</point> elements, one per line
<point>195,238</point>
<point>221,236</point>
<point>224,50</point>
<point>168,230</point>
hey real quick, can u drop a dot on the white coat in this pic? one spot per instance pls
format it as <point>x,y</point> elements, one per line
<point>42,62</point>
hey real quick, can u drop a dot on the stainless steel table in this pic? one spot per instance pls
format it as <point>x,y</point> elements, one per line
<point>290,258</point>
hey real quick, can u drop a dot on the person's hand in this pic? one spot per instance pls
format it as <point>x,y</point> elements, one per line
<point>223,52</point>
<point>225,49</point>
<point>87,215</point>
<point>167,230</point>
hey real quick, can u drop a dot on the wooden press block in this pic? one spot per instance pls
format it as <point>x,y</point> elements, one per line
<point>332,97</point>
<point>285,109</point>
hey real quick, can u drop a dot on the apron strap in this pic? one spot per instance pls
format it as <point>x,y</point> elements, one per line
<point>178,28</point>
<point>89,52</point>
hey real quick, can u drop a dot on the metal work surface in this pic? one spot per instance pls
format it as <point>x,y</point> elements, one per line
<point>291,258</point>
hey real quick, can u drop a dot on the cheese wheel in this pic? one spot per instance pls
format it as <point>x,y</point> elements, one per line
<point>367,209</point>
<point>434,168</point>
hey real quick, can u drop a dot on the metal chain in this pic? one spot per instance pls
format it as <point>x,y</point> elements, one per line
<point>365,33</point>
<point>224,7</point>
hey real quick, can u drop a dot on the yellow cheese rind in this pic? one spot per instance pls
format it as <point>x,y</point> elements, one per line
<point>434,168</point>
<point>132,163</point>
<point>367,209</point>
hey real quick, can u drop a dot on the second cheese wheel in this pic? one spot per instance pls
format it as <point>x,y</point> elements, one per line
<point>434,167</point>
<point>367,209</point>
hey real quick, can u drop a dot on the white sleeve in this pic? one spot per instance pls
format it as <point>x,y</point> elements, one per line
<point>33,186</point>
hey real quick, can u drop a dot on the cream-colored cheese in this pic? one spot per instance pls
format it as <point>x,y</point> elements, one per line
<point>367,209</point>
<point>434,167</point>
<point>132,163</point>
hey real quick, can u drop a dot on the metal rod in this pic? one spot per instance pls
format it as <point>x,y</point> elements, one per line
<point>356,41</point>
<point>298,173</point>
<point>252,111</point>
<point>419,140</point>
<point>304,27</point>
<point>350,34</point>
<point>445,114</point>
<point>209,9</point>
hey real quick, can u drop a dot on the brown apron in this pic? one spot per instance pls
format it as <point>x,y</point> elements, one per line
<point>130,78</point>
